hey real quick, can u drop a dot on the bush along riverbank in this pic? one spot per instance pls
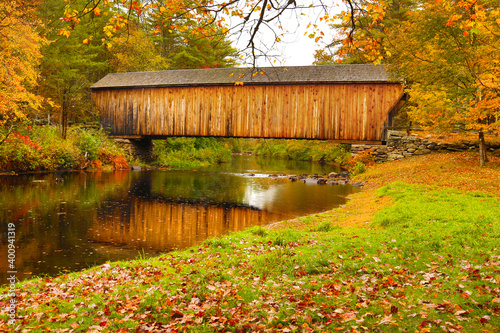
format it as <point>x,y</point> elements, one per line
<point>41,148</point>
<point>303,150</point>
<point>191,153</point>
<point>315,151</point>
<point>416,251</point>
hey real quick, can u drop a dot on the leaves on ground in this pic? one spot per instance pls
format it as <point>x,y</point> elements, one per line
<point>414,273</point>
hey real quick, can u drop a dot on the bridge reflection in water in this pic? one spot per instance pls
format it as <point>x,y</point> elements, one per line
<point>162,226</point>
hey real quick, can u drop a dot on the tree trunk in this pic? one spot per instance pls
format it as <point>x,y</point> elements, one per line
<point>482,150</point>
<point>64,123</point>
<point>64,118</point>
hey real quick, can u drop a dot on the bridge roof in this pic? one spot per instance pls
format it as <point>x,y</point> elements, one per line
<point>321,74</point>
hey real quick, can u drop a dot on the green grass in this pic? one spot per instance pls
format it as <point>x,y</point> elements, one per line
<point>429,263</point>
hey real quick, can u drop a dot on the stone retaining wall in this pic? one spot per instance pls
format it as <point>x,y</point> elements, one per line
<point>400,145</point>
<point>142,149</point>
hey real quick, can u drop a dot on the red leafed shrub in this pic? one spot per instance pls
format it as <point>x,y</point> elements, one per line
<point>356,164</point>
<point>119,163</point>
<point>364,157</point>
<point>96,164</point>
<point>20,152</point>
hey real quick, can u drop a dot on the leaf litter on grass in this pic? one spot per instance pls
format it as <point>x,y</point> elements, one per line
<point>429,262</point>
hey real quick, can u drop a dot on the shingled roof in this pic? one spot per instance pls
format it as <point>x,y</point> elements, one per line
<point>229,76</point>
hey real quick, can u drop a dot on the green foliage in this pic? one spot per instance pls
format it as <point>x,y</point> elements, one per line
<point>41,148</point>
<point>88,142</point>
<point>325,226</point>
<point>189,153</point>
<point>303,150</point>
<point>70,66</point>
<point>240,145</point>
<point>187,49</point>
<point>258,231</point>
<point>357,169</point>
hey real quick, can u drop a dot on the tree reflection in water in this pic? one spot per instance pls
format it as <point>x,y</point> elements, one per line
<point>90,218</point>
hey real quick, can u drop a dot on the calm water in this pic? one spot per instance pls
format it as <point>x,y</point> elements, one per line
<point>89,218</point>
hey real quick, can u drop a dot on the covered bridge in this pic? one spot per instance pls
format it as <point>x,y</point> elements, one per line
<point>346,103</point>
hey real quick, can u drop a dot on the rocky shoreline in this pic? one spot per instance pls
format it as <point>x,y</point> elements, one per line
<point>333,178</point>
<point>401,145</point>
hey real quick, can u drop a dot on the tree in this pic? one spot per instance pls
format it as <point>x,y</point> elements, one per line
<point>134,51</point>
<point>447,51</point>
<point>70,64</point>
<point>251,19</point>
<point>19,60</point>
<point>186,42</point>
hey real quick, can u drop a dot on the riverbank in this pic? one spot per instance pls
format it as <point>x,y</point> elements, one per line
<point>416,251</point>
<point>41,148</point>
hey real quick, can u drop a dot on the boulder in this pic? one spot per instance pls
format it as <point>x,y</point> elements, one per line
<point>321,181</point>
<point>344,174</point>
<point>422,151</point>
<point>359,184</point>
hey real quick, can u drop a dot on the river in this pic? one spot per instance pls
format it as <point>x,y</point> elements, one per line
<point>70,221</point>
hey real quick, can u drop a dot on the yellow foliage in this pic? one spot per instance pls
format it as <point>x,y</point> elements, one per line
<point>133,52</point>
<point>19,59</point>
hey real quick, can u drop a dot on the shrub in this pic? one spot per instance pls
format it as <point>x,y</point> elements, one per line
<point>357,164</point>
<point>357,169</point>
<point>20,152</point>
<point>42,148</point>
<point>89,142</point>
<point>303,150</point>
<point>188,153</point>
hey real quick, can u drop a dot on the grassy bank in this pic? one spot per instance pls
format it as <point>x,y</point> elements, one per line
<point>41,148</point>
<point>191,153</point>
<point>302,150</point>
<point>417,251</point>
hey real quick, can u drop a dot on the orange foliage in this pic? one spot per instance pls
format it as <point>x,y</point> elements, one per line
<point>455,170</point>
<point>364,157</point>
<point>19,59</point>
<point>119,163</point>
<point>96,164</point>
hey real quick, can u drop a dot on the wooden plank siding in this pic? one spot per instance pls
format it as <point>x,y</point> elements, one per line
<point>342,112</point>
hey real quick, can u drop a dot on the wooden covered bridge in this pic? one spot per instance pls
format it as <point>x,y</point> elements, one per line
<point>346,103</point>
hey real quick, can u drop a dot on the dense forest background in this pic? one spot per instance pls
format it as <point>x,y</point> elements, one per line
<point>446,52</point>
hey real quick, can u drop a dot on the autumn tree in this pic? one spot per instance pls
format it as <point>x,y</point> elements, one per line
<point>258,22</point>
<point>447,51</point>
<point>451,56</point>
<point>184,41</point>
<point>19,60</point>
<point>133,50</point>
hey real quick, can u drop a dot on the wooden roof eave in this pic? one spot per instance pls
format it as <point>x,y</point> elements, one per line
<point>239,85</point>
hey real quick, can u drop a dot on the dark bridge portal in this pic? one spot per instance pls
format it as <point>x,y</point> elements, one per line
<point>347,103</point>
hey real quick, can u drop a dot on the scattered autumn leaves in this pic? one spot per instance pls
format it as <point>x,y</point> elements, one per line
<point>396,278</point>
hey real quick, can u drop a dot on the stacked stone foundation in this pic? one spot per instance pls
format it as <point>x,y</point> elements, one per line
<point>401,145</point>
